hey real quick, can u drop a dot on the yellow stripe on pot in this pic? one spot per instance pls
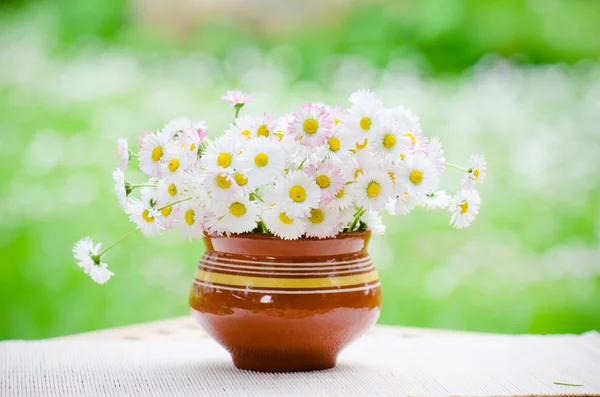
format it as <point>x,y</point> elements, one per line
<point>266,282</point>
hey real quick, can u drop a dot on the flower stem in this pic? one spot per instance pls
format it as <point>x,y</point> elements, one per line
<point>359,212</point>
<point>142,185</point>
<point>458,167</point>
<point>263,227</point>
<point>238,106</point>
<point>173,203</point>
<point>105,250</point>
<point>567,384</point>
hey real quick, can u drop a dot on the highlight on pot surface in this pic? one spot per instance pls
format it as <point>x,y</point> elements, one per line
<point>316,172</point>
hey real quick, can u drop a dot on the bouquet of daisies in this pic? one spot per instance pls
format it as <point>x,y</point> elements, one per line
<point>316,172</point>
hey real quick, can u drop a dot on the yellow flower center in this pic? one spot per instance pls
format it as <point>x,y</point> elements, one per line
<point>146,216</point>
<point>240,179</point>
<point>464,207</point>
<point>340,194</point>
<point>297,193</point>
<point>402,156</point>
<point>415,176</point>
<point>224,160</point>
<point>261,160</point>
<point>173,165</point>
<point>365,123</point>
<point>172,190</point>
<point>262,131</point>
<point>412,137</point>
<point>311,126</point>
<point>358,172</point>
<point>246,133</point>
<point>475,174</point>
<point>336,121</point>
<point>392,176</point>
<point>237,209</point>
<point>373,189</point>
<point>223,182</point>
<point>192,147</point>
<point>166,211</point>
<point>389,141</point>
<point>189,216</point>
<point>334,144</point>
<point>323,181</point>
<point>285,219</point>
<point>363,145</point>
<point>316,216</point>
<point>157,153</point>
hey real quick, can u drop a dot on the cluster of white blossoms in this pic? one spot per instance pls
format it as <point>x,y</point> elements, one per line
<point>316,172</point>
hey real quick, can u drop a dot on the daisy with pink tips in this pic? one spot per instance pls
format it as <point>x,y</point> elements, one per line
<point>329,179</point>
<point>311,125</point>
<point>123,148</point>
<point>237,97</point>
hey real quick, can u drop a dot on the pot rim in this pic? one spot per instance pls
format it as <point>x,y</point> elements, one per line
<point>270,236</point>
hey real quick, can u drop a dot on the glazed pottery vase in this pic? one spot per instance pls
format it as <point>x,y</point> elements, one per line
<point>282,306</point>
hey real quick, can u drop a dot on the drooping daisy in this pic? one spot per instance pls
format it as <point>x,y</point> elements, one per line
<point>372,189</point>
<point>311,125</point>
<point>152,153</point>
<point>464,207</point>
<point>364,116</point>
<point>262,160</point>
<point>389,143</point>
<point>120,187</point>
<point>402,204</point>
<point>417,174</point>
<point>329,179</point>
<point>87,258</point>
<point>221,153</point>
<point>435,154</point>
<point>220,185</point>
<point>145,217</point>
<point>284,226</point>
<point>374,222</point>
<point>190,219</point>
<point>323,222</point>
<point>237,97</point>
<point>337,148</point>
<point>477,168</point>
<point>123,149</point>
<point>297,193</point>
<point>238,216</point>
<point>436,200</point>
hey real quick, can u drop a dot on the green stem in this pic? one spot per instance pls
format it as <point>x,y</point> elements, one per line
<point>173,203</point>
<point>302,163</point>
<point>133,154</point>
<point>105,250</point>
<point>566,384</point>
<point>142,185</point>
<point>237,109</point>
<point>359,212</point>
<point>458,167</point>
<point>253,194</point>
<point>263,227</point>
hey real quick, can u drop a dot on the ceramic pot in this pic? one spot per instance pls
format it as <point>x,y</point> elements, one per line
<point>281,306</point>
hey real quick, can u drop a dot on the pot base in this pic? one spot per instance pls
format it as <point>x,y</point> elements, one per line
<point>282,361</point>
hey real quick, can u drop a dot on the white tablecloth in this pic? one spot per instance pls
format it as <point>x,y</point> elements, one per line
<point>431,365</point>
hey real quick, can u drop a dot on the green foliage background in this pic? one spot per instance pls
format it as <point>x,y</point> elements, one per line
<point>516,80</point>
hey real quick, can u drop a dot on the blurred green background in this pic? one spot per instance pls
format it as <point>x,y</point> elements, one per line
<point>516,80</point>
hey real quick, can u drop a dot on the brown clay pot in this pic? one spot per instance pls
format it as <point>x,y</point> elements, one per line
<point>283,306</point>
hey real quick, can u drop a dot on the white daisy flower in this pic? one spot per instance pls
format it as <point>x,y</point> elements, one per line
<point>402,204</point>
<point>337,114</point>
<point>323,222</point>
<point>347,216</point>
<point>297,154</point>
<point>283,226</point>
<point>241,128</point>
<point>417,174</point>
<point>477,171</point>
<point>168,215</point>
<point>220,185</point>
<point>297,193</point>
<point>189,219</point>
<point>342,199</point>
<point>464,207</point>
<point>311,125</point>
<point>263,126</point>
<point>169,190</point>
<point>435,154</point>
<point>363,161</point>
<point>177,127</point>
<point>337,148</point>
<point>329,179</point>
<point>238,216</point>
<point>372,189</point>
<point>221,153</point>
<point>152,152</point>
<point>120,187</point>
<point>145,217</point>
<point>364,116</point>
<point>374,222</point>
<point>409,125</point>
<point>87,258</point>
<point>123,149</point>
<point>436,200</point>
<point>237,97</point>
<point>176,160</point>
<point>389,145</point>
<point>262,160</point>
